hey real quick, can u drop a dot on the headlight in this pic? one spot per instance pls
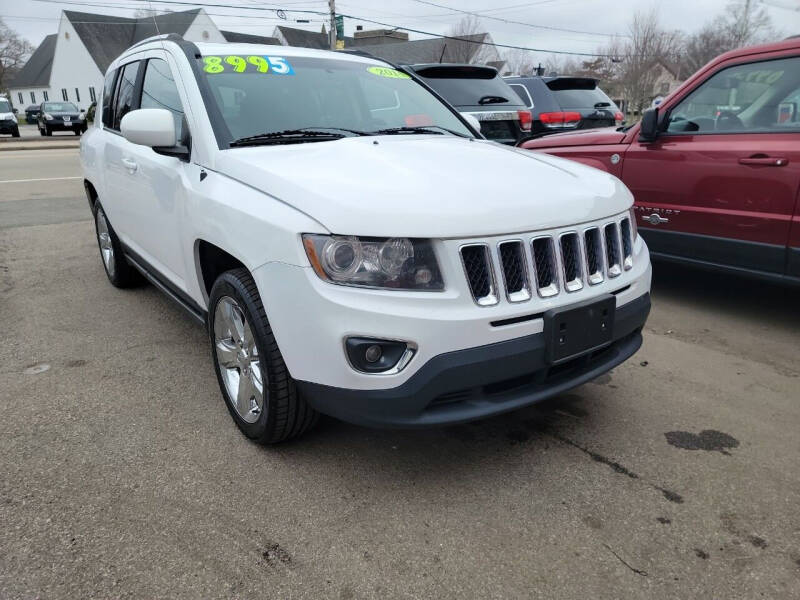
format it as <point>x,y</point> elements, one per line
<point>634,226</point>
<point>48,116</point>
<point>391,263</point>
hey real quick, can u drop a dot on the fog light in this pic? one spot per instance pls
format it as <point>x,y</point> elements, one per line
<point>370,355</point>
<point>373,353</point>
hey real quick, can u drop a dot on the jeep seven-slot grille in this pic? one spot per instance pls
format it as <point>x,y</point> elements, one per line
<point>478,267</point>
<point>549,264</point>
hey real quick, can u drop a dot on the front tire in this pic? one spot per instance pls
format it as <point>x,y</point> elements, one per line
<point>120,273</point>
<point>15,133</point>
<point>259,392</point>
<point>47,131</point>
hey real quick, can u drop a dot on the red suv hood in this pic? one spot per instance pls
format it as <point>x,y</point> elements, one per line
<point>579,137</point>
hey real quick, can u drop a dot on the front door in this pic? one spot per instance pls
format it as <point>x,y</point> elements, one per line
<point>719,184</point>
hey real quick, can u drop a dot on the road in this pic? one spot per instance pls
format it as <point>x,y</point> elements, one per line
<point>676,476</point>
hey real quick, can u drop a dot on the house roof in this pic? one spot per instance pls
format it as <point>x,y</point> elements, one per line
<point>106,36</point>
<point>36,72</point>
<point>426,51</point>
<point>246,38</point>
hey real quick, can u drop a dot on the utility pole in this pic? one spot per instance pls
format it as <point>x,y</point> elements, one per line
<point>332,32</point>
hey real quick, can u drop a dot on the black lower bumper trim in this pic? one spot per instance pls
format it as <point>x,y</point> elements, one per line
<point>478,382</point>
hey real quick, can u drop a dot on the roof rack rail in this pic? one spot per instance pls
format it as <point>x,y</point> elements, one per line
<point>174,37</point>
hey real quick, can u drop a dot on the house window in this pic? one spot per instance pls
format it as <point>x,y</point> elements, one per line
<point>92,95</point>
<point>19,95</point>
<point>77,95</point>
<point>64,95</point>
<point>46,98</point>
<point>33,97</point>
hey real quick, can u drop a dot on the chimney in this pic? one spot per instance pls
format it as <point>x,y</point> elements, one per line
<point>378,36</point>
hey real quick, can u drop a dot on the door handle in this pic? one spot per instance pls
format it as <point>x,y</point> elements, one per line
<point>130,164</point>
<point>764,161</point>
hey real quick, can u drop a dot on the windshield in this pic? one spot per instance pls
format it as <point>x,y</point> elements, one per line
<point>60,107</point>
<point>269,94</point>
<point>5,106</point>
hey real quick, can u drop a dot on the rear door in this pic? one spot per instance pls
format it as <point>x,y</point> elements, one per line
<point>720,184</point>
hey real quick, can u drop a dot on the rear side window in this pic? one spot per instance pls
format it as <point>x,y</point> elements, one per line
<point>108,94</point>
<point>579,93</point>
<point>124,99</point>
<point>522,92</point>
<point>159,91</point>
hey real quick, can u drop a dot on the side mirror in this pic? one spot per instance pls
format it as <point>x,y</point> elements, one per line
<point>152,127</point>
<point>16,110</point>
<point>648,131</point>
<point>473,121</point>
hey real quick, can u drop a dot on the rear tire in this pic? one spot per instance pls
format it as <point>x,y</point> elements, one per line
<point>120,273</point>
<point>246,358</point>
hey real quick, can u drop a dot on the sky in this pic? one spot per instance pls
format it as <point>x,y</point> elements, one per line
<point>591,22</point>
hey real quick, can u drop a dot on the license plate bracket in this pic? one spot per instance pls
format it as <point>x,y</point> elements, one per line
<point>579,328</point>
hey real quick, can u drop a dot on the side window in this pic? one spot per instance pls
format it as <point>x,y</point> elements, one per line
<point>751,98</point>
<point>108,93</point>
<point>123,100</point>
<point>522,92</point>
<point>159,91</point>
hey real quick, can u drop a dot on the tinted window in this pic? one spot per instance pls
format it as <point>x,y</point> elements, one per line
<point>5,107</point>
<point>123,101</point>
<point>468,91</point>
<point>522,92</point>
<point>108,93</point>
<point>159,91</point>
<point>579,93</point>
<point>746,98</point>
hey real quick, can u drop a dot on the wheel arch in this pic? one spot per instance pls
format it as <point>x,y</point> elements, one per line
<point>211,262</point>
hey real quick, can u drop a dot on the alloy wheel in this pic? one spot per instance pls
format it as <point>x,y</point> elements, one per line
<point>106,246</point>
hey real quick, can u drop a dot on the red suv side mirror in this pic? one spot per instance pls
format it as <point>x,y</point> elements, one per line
<point>648,131</point>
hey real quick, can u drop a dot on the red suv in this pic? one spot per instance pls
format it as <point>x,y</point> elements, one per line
<point>715,169</point>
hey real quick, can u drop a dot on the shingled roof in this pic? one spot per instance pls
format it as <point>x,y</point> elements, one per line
<point>247,38</point>
<point>426,51</point>
<point>106,36</point>
<point>36,72</point>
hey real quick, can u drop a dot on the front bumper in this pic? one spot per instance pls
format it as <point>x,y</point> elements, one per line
<point>479,382</point>
<point>59,125</point>
<point>8,126</point>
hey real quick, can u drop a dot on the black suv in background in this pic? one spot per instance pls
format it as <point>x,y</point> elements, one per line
<point>561,103</point>
<point>479,91</point>
<point>32,113</point>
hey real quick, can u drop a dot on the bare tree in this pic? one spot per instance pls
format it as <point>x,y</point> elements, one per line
<point>472,51</point>
<point>520,62</point>
<point>14,53</point>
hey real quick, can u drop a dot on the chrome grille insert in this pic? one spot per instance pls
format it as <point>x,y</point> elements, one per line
<point>612,250</point>
<point>627,243</point>
<point>545,266</point>
<point>514,267</point>
<point>594,256</point>
<point>571,261</point>
<point>480,274</point>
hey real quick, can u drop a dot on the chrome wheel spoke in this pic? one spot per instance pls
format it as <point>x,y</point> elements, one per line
<point>226,354</point>
<point>244,396</point>
<point>104,239</point>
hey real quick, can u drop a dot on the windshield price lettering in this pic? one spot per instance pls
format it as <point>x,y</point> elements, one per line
<point>247,64</point>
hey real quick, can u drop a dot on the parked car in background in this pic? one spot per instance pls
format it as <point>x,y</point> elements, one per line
<point>32,113</point>
<point>8,118</point>
<point>345,261</point>
<point>561,103</point>
<point>61,116</point>
<point>715,168</point>
<point>479,91</point>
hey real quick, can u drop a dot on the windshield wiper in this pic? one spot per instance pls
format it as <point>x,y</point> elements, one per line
<point>437,129</point>
<point>492,100</point>
<point>291,136</point>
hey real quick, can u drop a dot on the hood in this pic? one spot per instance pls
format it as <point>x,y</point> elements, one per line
<point>426,185</point>
<point>579,137</point>
<point>6,115</point>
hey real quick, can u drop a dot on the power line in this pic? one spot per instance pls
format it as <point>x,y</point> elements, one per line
<point>365,20</point>
<point>511,21</point>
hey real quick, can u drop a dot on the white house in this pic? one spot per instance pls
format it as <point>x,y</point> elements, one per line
<point>69,65</point>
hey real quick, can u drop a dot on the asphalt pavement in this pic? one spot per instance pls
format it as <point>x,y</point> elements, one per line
<point>122,474</point>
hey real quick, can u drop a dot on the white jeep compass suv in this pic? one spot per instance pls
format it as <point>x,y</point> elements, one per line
<point>351,243</point>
